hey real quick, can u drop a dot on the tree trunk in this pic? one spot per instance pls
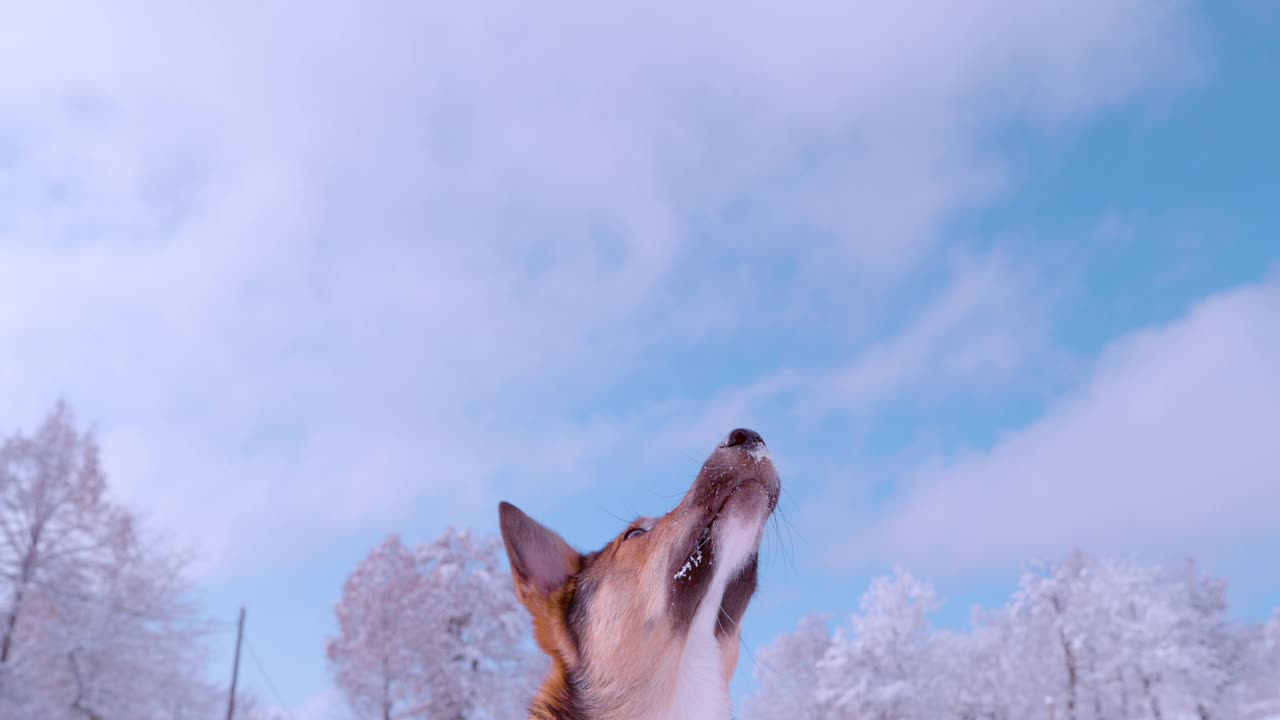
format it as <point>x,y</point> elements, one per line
<point>386,696</point>
<point>1097,689</point>
<point>1073,673</point>
<point>24,579</point>
<point>1152,699</point>
<point>11,624</point>
<point>78,703</point>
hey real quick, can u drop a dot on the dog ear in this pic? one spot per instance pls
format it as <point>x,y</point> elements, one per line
<point>542,567</point>
<point>541,561</point>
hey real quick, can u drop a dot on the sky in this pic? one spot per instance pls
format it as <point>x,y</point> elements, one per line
<point>992,279</point>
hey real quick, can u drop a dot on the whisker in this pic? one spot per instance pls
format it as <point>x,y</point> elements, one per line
<point>790,525</point>
<point>611,514</point>
<point>667,496</point>
<point>726,617</point>
<point>787,552</point>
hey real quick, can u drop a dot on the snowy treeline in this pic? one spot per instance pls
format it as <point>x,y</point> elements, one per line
<point>1087,639</point>
<point>96,623</point>
<point>95,620</point>
<point>434,632</point>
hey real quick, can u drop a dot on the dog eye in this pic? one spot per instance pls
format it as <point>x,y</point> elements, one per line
<point>634,532</point>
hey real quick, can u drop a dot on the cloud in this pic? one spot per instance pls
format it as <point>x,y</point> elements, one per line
<point>983,332</point>
<point>987,323</point>
<point>313,270</point>
<point>1168,448</point>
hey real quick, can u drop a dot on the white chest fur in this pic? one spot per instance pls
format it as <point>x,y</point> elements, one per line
<point>700,693</point>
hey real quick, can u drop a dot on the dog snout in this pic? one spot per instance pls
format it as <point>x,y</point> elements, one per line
<point>742,437</point>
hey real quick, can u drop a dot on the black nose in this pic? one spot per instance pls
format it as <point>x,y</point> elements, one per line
<point>742,436</point>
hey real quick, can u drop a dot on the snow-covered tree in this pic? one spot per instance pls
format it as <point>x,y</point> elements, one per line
<point>1132,640</point>
<point>1214,654</point>
<point>786,673</point>
<point>95,621</point>
<point>1260,694</point>
<point>972,676</point>
<point>478,633</point>
<point>880,670</point>
<point>377,657</point>
<point>54,520</point>
<point>1085,639</point>
<point>433,633</point>
<point>136,647</point>
<point>1055,619</point>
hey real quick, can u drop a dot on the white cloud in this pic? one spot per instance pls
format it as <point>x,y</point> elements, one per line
<point>310,269</point>
<point>1169,448</point>
<point>984,332</point>
<point>987,324</point>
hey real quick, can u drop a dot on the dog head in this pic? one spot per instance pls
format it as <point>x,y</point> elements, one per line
<point>652,617</point>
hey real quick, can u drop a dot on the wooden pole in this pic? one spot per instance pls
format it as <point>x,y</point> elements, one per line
<point>235,668</point>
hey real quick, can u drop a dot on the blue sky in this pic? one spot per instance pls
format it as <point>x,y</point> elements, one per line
<point>992,280</point>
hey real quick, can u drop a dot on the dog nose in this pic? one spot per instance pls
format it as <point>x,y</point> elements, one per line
<point>742,436</point>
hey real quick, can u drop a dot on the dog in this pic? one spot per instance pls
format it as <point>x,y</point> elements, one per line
<point>647,628</point>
